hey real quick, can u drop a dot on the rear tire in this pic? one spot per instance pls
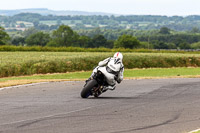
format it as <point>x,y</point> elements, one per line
<point>86,92</point>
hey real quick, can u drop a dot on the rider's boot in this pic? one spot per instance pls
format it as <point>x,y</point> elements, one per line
<point>111,87</point>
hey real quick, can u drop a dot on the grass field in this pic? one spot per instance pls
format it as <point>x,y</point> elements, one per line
<point>28,63</point>
<point>20,57</point>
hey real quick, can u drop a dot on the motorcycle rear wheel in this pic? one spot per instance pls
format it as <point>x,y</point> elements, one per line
<point>86,92</point>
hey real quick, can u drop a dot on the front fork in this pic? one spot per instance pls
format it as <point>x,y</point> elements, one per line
<point>97,91</point>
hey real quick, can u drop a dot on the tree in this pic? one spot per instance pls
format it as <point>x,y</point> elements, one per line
<point>99,41</point>
<point>146,45</point>
<point>53,27</point>
<point>195,45</point>
<point>110,44</point>
<point>195,30</point>
<point>18,41</point>
<point>94,32</point>
<point>39,38</point>
<point>184,46</point>
<point>164,30</point>
<point>29,32</point>
<point>64,36</point>
<point>4,37</point>
<point>36,23</point>
<point>127,41</point>
<point>59,22</point>
<point>171,46</point>
<point>42,27</point>
<point>84,41</point>
<point>160,45</point>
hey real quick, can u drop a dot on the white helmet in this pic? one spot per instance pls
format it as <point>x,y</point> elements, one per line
<point>118,56</point>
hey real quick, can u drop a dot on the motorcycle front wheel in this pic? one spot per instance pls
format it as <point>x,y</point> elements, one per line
<point>86,92</point>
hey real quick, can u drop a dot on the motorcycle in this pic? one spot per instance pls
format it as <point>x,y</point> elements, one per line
<point>95,86</point>
<point>102,77</point>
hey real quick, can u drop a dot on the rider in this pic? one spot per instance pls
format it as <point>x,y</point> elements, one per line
<point>118,75</point>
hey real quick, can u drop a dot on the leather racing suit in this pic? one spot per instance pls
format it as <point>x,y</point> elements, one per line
<point>118,77</point>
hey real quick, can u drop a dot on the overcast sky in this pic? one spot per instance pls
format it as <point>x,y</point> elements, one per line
<point>126,7</point>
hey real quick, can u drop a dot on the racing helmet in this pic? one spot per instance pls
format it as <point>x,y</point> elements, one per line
<point>118,56</point>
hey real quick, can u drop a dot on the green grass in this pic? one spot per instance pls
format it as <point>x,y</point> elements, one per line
<point>128,73</point>
<point>162,72</point>
<point>29,63</point>
<point>12,48</point>
<point>195,132</point>
<point>70,76</point>
<point>20,57</point>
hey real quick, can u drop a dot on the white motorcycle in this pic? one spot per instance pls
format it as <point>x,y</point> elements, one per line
<point>101,78</point>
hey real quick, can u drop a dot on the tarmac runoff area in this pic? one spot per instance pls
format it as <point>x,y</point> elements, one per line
<point>139,106</point>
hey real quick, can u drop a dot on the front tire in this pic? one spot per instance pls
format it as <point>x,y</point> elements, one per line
<point>86,92</point>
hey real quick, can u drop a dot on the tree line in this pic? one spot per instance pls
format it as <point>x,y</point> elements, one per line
<point>65,36</point>
<point>138,22</point>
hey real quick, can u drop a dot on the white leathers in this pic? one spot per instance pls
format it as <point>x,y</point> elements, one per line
<point>112,68</point>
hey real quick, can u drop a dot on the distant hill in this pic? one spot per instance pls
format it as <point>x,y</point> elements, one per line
<point>45,11</point>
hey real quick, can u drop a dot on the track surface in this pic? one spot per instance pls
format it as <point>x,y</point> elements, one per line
<point>136,106</point>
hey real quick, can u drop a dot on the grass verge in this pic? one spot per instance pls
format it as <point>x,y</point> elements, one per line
<point>128,74</point>
<point>195,131</point>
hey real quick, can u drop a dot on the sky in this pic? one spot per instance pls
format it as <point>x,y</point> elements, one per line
<point>121,7</point>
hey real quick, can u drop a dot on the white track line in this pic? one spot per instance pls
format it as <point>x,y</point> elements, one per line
<point>22,85</point>
<point>194,131</point>
<point>25,85</point>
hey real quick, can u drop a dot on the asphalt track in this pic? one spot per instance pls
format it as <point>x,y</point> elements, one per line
<point>136,106</point>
